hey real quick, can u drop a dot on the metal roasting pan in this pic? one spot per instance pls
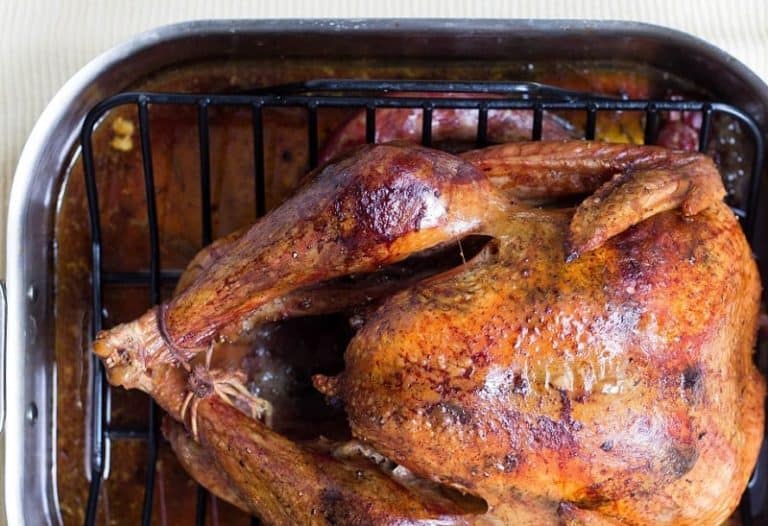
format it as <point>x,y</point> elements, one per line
<point>28,408</point>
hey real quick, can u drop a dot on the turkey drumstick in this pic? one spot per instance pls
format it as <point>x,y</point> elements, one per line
<point>284,483</point>
<point>373,208</point>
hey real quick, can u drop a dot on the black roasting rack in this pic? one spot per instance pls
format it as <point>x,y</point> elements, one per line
<point>368,96</point>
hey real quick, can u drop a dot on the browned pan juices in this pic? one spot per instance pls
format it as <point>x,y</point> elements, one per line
<point>174,137</point>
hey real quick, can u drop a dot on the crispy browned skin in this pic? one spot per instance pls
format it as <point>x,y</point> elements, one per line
<point>204,259</point>
<point>629,185</point>
<point>373,208</point>
<point>621,383</point>
<point>200,464</point>
<point>456,127</point>
<point>368,210</point>
<point>614,388</point>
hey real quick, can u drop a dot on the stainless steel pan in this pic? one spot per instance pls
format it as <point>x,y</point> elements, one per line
<point>29,398</point>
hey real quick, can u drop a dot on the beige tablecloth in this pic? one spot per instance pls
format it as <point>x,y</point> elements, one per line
<point>44,42</point>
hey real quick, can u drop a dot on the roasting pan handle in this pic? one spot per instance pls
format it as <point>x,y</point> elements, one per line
<point>3,330</point>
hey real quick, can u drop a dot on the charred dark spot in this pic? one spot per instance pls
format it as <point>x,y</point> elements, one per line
<point>592,497</point>
<point>693,384</point>
<point>520,385</point>
<point>607,445</point>
<point>565,412</point>
<point>680,460</point>
<point>510,462</point>
<point>466,173</point>
<point>480,358</point>
<point>631,270</point>
<point>393,189</point>
<point>392,210</point>
<point>336,509</point>
<point>287,156</point>
<point>551,434</point>
<point>691,377</point>
<point>445,413</point>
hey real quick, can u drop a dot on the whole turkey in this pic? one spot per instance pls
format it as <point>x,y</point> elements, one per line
<point>590,363</point>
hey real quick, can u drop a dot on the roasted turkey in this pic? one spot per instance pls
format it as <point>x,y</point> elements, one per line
<point>590,362</point>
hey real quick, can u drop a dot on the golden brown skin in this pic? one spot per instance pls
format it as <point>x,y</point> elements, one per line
<point>620,383</point>
<point>614,388</point>
<point>377,206</point>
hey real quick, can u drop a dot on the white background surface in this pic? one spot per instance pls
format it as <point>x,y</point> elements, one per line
<point>44,42</point>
